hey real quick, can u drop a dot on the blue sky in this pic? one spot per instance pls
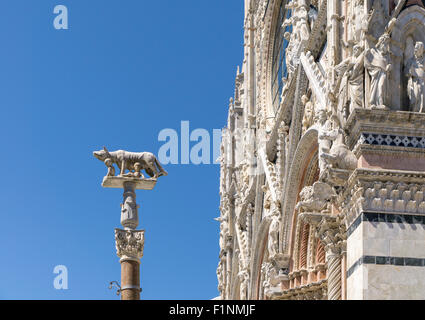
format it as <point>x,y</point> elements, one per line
<point>122,72</point>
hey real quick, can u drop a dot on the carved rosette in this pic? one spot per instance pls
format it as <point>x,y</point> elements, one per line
<point>129,244</point>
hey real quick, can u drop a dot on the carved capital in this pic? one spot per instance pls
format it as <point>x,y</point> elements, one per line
<point>129,244</point>
<point>329,232</point>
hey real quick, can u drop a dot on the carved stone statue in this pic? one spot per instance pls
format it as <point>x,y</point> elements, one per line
<point>315,198</point>
<point>244,279</point>
<point>220,277</point>
<point>273,241</point>
<point>290,65</point>
<point>334,155</point>
<point>325,137</point>
<point>416,76</point>
<point>378,65</point>
<point>224,224</point>
<point>129,209</point>
<point>340,157</point>
<point>136,161</point>
<point>352,72</point>
<point>308,119</point>
<point>302,25</point>
<point>111,169</point>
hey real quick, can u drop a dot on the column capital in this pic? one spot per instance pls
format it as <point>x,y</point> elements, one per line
<point>329,233</point>
<point>129,244</point>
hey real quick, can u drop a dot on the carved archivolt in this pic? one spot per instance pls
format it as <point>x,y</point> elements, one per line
<point>301,161</point>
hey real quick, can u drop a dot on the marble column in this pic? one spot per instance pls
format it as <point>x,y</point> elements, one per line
<point>330,237</point>
<point>129,244</point>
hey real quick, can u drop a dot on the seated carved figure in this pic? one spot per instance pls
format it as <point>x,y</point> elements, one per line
<point>136,161</point>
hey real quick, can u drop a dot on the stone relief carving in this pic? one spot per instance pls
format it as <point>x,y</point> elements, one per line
<point>132,161</point>
<point>316,198</point>
<point>378,64</point>
<point>416,79</point>
<point>394,197</point>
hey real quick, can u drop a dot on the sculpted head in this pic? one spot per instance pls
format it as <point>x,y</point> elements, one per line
<point>321,115</point>
<point>102,155</point>
<point>357,50</point>
<point>419,49</point>
<point>384,45</point>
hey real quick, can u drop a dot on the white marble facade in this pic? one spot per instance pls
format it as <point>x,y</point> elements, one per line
<point>322,179</point>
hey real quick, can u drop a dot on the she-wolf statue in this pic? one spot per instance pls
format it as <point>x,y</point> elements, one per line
<point>126,160</point>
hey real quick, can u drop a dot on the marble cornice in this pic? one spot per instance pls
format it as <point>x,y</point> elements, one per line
<point>384,122</point>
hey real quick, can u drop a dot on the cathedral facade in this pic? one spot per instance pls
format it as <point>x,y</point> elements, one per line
<point>322,180</point>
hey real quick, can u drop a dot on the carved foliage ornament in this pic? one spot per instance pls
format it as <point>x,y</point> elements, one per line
<point>129,243</point>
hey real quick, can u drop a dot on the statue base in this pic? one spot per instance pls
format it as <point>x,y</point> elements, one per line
<point>119,181</point>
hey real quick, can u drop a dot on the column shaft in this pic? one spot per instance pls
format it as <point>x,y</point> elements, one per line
<point>334,276</point>
<point>130,280</point>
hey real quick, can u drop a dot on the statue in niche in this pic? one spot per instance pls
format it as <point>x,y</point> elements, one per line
<point>416,79</point>
<point>378,65</point>
<point>351,73</point>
